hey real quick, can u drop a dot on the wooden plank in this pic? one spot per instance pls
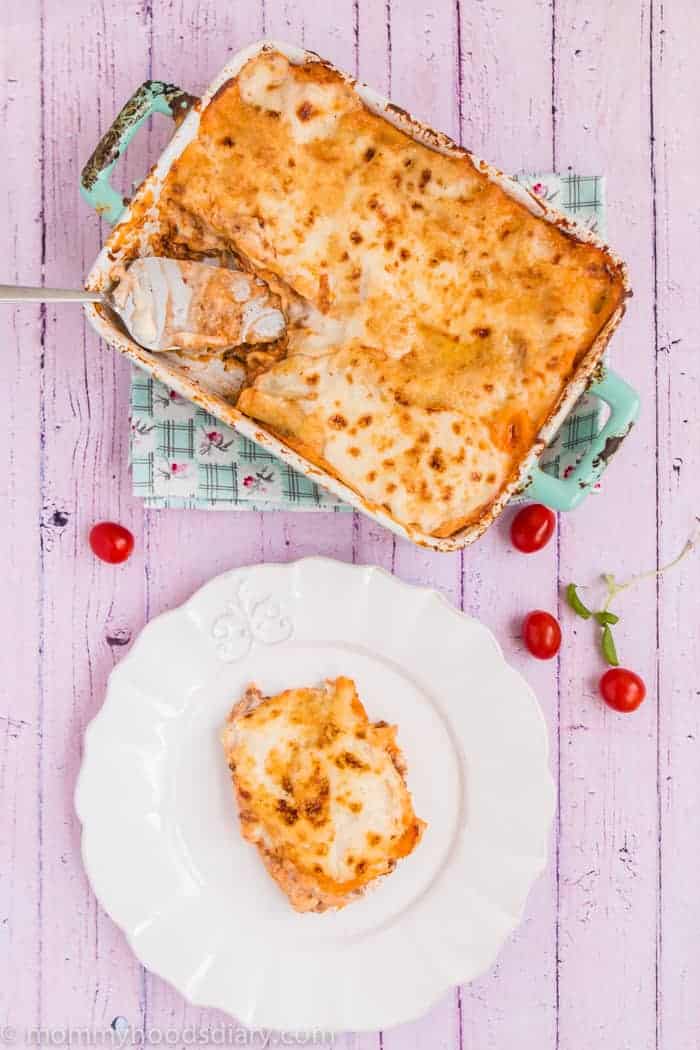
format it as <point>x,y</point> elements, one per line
<point>327,29</point>
<point>420,75</point>
<point>675,85</point>
<point>223,540</point>
<point>330,31</point>
<point>505,104</point>
<point>504,87</point>
<point>21,682</point>
<point>608,840</point>
<point>422,57</point>
<point>89,609</point>
<point>372,544</point>
<point>207,542</point>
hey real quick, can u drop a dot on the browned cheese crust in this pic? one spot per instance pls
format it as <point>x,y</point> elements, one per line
<point>321,792</point>
<point>434,321</point>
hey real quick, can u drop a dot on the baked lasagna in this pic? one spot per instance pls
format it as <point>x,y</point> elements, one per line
<point>321,791</point>
<point>434,321</point>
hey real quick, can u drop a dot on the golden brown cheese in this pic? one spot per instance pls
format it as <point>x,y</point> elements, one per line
<point>320,790</point>
<point>457,313</point>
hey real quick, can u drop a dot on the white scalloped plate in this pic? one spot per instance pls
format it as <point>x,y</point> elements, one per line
<point>160,838</point>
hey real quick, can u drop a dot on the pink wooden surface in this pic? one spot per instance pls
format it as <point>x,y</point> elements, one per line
<point>609,954</point>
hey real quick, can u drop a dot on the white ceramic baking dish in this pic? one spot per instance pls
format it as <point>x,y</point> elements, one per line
<point>210,386</point>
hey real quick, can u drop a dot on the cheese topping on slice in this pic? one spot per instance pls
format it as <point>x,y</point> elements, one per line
<point>321,791</point>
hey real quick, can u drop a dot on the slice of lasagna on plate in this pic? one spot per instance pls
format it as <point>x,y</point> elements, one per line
<point>321,791</point>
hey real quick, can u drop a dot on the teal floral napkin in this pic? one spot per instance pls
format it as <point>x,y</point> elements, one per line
<point>183,457</point>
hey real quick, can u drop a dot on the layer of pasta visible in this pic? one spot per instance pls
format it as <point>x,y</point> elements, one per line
<point>433,321</point>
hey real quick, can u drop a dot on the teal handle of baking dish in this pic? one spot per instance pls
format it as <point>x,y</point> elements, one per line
<point>152,97</point>
<point>567,493</point>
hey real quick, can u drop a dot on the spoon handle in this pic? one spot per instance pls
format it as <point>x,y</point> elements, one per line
<point>11,293</point>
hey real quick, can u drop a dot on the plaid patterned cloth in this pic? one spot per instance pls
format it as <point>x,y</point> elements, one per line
<point>183,457</point>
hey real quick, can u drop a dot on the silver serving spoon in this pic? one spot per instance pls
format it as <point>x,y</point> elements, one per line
<point>172,304</point>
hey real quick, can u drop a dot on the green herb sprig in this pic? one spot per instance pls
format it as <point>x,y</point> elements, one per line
<point>606,619</point>
<point>603,617</point>
<point>576,604</point>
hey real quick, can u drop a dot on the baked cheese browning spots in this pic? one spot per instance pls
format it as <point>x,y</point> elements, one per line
<point>406,456</point>
<point>321,791</point>
<point>484,309</point>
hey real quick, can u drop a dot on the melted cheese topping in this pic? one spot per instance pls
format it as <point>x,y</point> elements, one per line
<point>458,312</point>
<point>320,791</point>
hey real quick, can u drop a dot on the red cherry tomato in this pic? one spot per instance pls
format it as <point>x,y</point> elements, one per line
<point>622,690</point>
<point>111,542</point>
<point>541,634</point>
<point>532,528</point>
